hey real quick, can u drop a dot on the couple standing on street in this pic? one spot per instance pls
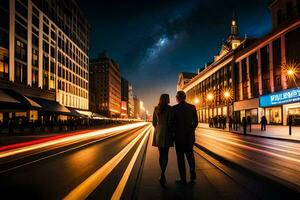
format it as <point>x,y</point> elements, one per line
<point>177,125</point>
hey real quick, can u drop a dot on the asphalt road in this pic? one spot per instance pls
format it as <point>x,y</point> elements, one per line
<point>275,159</point>
<point>55,177</point>
<point>125,165</point>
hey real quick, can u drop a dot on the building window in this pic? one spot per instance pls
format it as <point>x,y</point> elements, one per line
<point>21,50</point>
<point>46,47</point>
<point>20,8</point>
<point>20,72</point>
<point>35,55</point>
<point>35,77</point>
<point>46,63</point>
<point>45,80</point>
<point>35,40</point>
<point>292,52</point>
<point>4,67</point>
<point>277,64</point>
<point>265,69</point>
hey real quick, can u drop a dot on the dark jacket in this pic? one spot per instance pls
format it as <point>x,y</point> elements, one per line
<point>185,121</point>
<point>162,136</point>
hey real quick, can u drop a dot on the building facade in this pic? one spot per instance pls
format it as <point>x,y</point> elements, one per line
<point>44,47</point>
<point>136,104</point>
<point>105,86</point>
<point>211,89</point>
<point>254,77</point>
<point>130,102</point>
<point>124,97</point>
<point>264,86</point>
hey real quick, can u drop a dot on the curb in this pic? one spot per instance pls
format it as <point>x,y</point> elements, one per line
<point>252,135</point>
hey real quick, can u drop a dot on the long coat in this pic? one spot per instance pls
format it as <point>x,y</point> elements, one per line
<point>163,136</point>
<point>185,121</point>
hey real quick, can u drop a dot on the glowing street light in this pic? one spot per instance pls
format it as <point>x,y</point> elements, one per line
<point>227,95</point>
<point>292,71</point>
<point>210,96</point>
<point>196,100</point>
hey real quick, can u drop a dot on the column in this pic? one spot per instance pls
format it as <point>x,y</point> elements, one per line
<point>240,81</point>
<point>11,40</point>
<point>271,67</point>
<point>283,63</point>
<point>259,72</point>
<point>29,44</point>
<point>41,50</point>
<point>248,79</point>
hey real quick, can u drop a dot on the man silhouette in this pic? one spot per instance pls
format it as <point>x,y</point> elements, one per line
<point>185,121</point>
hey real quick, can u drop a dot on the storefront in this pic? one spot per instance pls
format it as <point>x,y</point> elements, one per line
<point>249,107</point>
<point>278,106</point>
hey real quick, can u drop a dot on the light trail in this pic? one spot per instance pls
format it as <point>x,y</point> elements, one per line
<point>83,190</point>
<point>261,145</point>
<point>73,138</point>
<point>254,149</point>
<point>120,188</point>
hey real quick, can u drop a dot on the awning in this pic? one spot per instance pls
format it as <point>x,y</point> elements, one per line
<point>14,101</point>
<point>5,98</point>
<point>97,116</point>
<point>51,106</point>
<point>86,114</point>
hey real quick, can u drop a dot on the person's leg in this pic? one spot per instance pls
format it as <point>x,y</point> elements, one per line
<point>181,163</point>
<point>191,160</point>
<point>163,158</point>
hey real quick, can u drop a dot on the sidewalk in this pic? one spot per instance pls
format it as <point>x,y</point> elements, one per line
<point>273,131</point>
<point>211,183</point>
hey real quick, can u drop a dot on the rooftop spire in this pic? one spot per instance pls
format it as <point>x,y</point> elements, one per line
<point>234,28</point>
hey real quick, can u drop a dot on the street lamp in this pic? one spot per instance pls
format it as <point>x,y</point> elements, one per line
<point>210,96</point>
<point>196,100</point>
<point>292,71</point>
<point>227,96</point>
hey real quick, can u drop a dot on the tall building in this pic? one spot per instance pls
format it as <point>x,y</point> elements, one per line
<point>44,47</point>
<point>130,102</point>
<point>124,97</point>
<point>105,86</point>
<point>136,104</point>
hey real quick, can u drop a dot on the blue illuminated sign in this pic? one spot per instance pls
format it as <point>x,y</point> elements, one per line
<point>279,98</point>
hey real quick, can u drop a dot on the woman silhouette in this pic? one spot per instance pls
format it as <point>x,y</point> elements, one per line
<point>163,137</point>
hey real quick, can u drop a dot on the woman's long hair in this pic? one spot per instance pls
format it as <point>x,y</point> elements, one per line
<point>164,100</point>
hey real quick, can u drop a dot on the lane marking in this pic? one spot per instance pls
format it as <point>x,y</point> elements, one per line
<point>61,152</point>
<point>69,139</point>
<point>83,190</point>
<point>254,149</point>
<point>121,186</point>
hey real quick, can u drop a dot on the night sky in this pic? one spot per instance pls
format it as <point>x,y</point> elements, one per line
<point>154,40</point>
